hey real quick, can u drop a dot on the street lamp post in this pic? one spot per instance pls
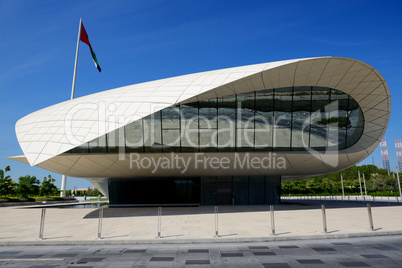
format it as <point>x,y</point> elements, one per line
<point>399,183</point>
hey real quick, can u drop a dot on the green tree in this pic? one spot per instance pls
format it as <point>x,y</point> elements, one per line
<point>28,186</point>
<point>48,188</point>
<point>7,185</point>
<point>96,192</point>
<point>377,180</point>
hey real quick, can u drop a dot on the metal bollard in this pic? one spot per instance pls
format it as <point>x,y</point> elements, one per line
<point>324,219</point>
<point>271,208</point>
<point>370,215</point>
<point>216,222</point>
<point>159,222</point>
<point>42,223</point>
<point>100,223</point>
<point>99,199</point>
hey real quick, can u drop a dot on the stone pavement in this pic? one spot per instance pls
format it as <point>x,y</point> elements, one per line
<point>347,252</point>
<point>72,226</point>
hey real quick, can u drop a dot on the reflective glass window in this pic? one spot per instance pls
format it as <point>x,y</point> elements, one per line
<point>337,109</point>
<point>245,110</point>
<point>171,140</point>
<point>336,137</point>
<point>189,127</point>
<point>189,142</point>
<point>189,115</point>
<point>300,138</point>
<point>319,98</point>
<point>281,139</point>
<point>208,113</point>
<point>320,111</point>
<point>226,123</point>
<point>355,123</point>
<point>283,107</point>
<point>355,115</point>
<point>82,149</point>
<point>134,136</point>
<point>208,138</point>
<point>353,135</point>
<point>116,141</point>
<point>245,139</point>
<point>318,137</point>
<point>264,119</point>
<point>208,124</point>
<point>245,121</point>
<point>281,119</point>
<point>98,145</point>
<point>301,118</point>
<point>171,117</point>
<point>152,133</point>
<point>338,119</point>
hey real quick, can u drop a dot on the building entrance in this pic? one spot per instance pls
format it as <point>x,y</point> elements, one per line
<point>224,191</point>
<point>209,191</point>
<point>155,191</point>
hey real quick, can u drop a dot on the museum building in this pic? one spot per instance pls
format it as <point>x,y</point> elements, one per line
<point>224,137</point>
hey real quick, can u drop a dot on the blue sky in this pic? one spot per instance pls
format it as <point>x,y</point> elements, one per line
<point>138,41</point>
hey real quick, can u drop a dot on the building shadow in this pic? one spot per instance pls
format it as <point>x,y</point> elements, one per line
<point>286,205</point>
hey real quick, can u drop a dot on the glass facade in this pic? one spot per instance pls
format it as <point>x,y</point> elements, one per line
<point>281,119</point>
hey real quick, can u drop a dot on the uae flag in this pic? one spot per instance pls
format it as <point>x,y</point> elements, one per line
<point>84,38</point>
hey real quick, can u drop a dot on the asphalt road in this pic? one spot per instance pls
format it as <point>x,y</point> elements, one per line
<point>383,251</point>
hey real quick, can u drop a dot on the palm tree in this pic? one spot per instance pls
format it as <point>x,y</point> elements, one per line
<point>7,185</point>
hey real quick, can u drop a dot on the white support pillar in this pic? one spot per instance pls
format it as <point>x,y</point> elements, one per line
<point>343,191</point>
<point>63,185</point>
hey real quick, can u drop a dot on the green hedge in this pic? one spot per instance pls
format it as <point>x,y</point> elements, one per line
<point>35,199</point>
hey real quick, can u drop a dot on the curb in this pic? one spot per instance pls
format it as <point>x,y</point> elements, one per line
<point>196,240</point>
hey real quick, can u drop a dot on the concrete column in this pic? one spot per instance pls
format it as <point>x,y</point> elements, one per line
<point>63,185</point>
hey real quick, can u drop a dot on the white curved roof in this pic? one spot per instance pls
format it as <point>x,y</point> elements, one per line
<point>52,131</point>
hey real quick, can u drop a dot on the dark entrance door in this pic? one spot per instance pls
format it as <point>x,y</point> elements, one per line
<point>154,191</point>
<point>224,191</point>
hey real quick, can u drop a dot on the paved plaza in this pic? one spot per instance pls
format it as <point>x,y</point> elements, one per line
<point>73,226</point>
<point>188,238</point>
<point>346,252</point>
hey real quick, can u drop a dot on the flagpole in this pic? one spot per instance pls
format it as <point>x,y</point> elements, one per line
<point>76,60</point>
<point>64,177</point>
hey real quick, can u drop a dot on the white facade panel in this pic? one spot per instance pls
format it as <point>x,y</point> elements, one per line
<point>45,134</point>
